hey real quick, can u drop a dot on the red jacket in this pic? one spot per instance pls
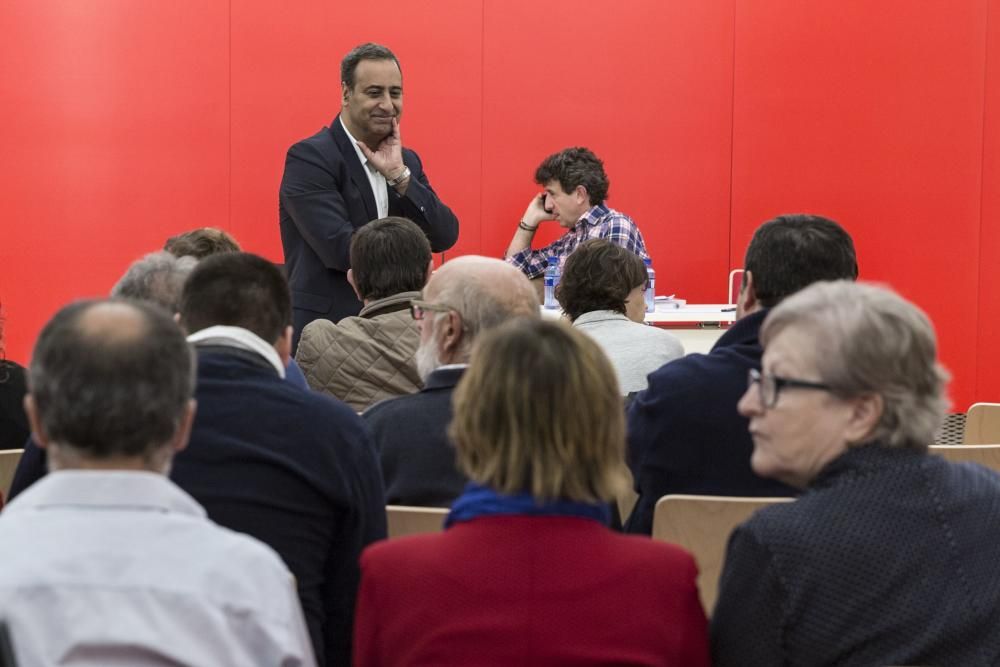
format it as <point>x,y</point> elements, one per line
<point>528,590</point>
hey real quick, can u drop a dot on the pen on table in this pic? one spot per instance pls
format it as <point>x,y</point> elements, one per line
<point>729,309</point>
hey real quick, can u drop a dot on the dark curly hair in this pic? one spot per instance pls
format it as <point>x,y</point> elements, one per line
<point>599,276</point>
<point>573,167</point>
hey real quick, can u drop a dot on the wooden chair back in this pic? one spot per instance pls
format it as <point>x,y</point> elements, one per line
<point>8,464</point>
<point>405,520</point>
<point>982,424</point>
<point>985,455</point>
<point>702,525</point>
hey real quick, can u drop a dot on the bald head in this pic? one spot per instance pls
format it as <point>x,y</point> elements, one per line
<point>485,292</point>
<point>110,379</point>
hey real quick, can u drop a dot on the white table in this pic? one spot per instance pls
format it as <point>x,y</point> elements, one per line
<point>697,325</point>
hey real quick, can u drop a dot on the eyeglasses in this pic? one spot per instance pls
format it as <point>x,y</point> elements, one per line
<point>419,308</point>
<point>770,386</point>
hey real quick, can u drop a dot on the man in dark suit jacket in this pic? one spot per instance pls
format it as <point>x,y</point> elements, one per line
<point>345,176</point>
<point>463,298</point>
<point>684,434</point>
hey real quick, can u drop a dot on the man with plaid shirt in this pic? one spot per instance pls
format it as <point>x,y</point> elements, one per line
<point>574,188</point>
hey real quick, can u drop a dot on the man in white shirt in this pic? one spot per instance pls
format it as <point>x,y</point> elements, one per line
<point>107,562</point>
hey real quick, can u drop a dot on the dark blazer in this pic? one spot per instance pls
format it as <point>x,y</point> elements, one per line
<point>289,466</point>
<point>325,195</point>
<point>529,590</point>
<point>891,557</point>
<point>13,422</point>
<point>684,434</point>
<point>410,436</point>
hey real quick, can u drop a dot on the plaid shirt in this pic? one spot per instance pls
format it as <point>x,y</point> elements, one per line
<point>600,222</point>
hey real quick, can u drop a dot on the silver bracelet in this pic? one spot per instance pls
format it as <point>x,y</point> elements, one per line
<point>525,227</point>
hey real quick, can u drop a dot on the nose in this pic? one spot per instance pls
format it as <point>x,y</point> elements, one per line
<point>385,102</point>
<point>749,403</point>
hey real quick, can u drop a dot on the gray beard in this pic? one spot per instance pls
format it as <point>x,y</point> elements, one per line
<point>427,358</point>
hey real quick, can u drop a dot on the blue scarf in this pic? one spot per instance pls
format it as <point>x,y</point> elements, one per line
<point>479,500</point>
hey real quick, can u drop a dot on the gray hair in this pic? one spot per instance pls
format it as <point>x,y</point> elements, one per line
<point>111,378</point>
<point>156,278</point>
<point>486,295</point>
<point>869,340</point>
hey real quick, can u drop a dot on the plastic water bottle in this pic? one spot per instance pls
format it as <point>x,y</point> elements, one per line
<point>552,276</point>
<point>651,286</point>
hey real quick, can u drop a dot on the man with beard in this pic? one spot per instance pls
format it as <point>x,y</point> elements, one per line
<point>464,298</point>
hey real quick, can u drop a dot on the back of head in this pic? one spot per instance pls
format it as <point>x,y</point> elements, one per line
<point>485,291</point>
<point>599,276</point>
<point>572,167</point>
<point>869,340</point>
<point>538,410</point>
<point>389,256</point>
<point>111,378</point>
<point>793,251</point>
<point>237,290</point>
<point>201,243</point>
<point>156,278</point>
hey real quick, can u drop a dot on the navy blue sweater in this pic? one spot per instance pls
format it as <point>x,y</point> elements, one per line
<point>684,434</point>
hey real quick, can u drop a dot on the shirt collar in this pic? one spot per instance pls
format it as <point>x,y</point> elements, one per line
<point>594,215</point>
<point>131,490</point>
<point>600,316</point>
<point>240,338</point>
<point>354,143</point>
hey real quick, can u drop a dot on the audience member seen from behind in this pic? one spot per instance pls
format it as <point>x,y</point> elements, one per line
<point>201,243</point>
<point>13,422</point>
<point>603,292</point>
<point>527,571</point>
<point>367,358</point>
<point>107,561</point>
<point>293,468</point>
<point>464,298</point>
<point>156,278</point>
<point>684,434</point>
<point>890,556</point>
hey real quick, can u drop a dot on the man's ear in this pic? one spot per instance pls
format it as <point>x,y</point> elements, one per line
<point>451,333</point>
<point>186,421</point>
<point>345,93</point>
<point>354,285</point>
<point>35,422</point>
<point>284,345</point>
<point>581,194</point>
<point>430,270</point>
<point>747,302</point>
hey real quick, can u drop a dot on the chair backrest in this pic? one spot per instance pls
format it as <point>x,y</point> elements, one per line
<point>404,520</point>
<point>985,455</point>
<point>702,524</point>
<point>982,424</point>
<point>8,464</point>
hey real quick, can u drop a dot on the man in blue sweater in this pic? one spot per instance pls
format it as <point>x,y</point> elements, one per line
<point>684,434</point>
<point>293,468</point>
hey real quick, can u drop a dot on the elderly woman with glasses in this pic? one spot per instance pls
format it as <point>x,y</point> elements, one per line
<point>891,555</point>
<point>526,571</point>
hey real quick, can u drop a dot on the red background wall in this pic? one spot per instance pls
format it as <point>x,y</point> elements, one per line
<point>124,122</point>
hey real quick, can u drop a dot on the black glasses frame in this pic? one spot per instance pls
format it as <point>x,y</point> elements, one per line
<point>770,386</point>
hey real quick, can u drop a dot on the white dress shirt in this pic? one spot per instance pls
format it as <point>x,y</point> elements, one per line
<point>123,568</point>
<point>379,187</point>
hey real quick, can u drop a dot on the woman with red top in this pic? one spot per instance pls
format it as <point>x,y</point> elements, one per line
<point>527,572</point>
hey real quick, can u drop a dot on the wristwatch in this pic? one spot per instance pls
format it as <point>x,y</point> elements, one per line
<point>399,179</point>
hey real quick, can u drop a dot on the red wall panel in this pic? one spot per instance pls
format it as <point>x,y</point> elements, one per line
<point>988,358</point>
<point>115,134</point>
<point>286,86</point>
<point>870,113</point>
<point>647,86</point>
